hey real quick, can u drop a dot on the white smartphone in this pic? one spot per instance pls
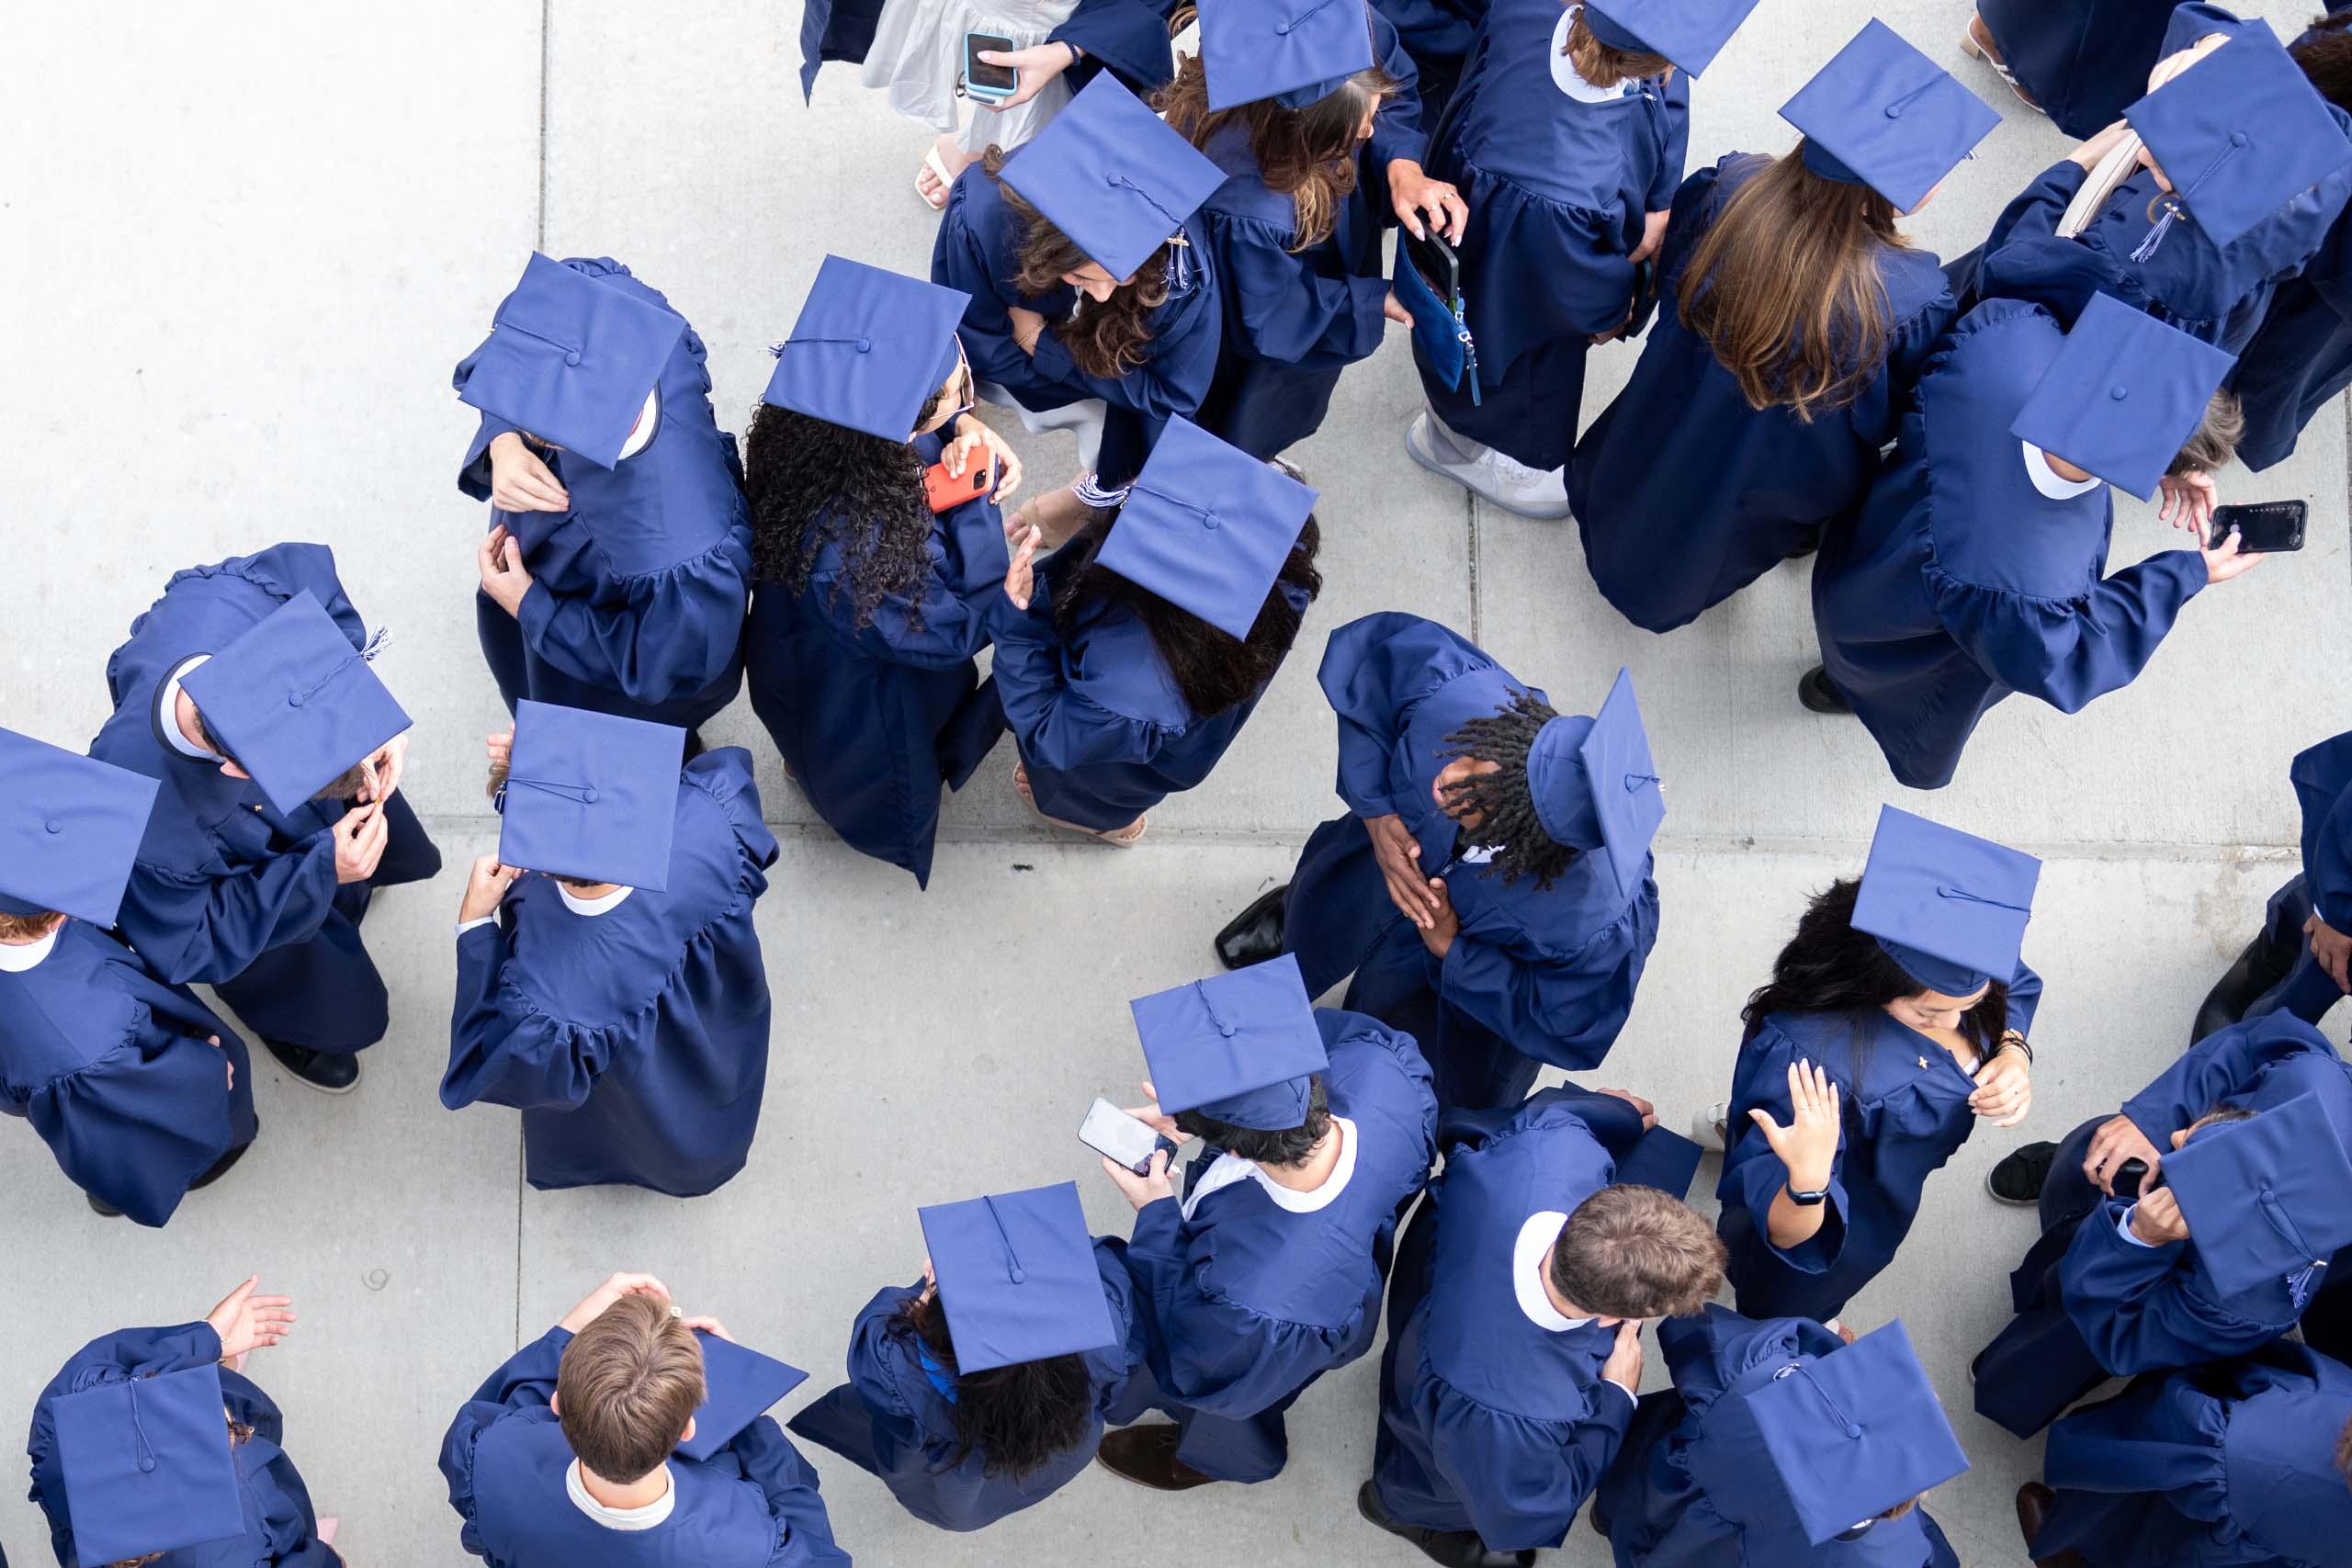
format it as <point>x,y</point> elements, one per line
<point>1118,1137</point>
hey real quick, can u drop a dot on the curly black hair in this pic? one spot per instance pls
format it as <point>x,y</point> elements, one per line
<point>1018,1418</point>
<point>1282,1145</point>
<point>810,483</point>
<point>1503,800</point>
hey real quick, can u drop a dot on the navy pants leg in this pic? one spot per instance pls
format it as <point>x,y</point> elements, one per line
<point>2306,992</point>
<point>2040,1364</point>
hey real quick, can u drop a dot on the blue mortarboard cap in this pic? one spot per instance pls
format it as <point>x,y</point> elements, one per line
<point>1687,32</point>
<point>294,703</point>
<point>570,359</point>
<point>1240,1047</point>
<point>591,796</point>
<point>1883,114</point>
<point>2122,395</point>
<point>2268,1199</point>
<point>147,1465</point>
<point>1207,527</point>
<point>1016,1274</point>
<point>1294,51</point>
<point>1110,174</point>
<point>1596,785</point>
<point>1855,1432</point>
<point>2240,134</point>
<point>738,1387</point>
<point>1949,906</point>
<point>870,348</point>
<point>69,828</point>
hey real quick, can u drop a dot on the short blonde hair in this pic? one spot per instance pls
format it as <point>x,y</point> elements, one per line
<point>28,928</point>
<point>627,1387</point>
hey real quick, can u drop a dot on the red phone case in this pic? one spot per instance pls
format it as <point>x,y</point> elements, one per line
<point>945,491</point>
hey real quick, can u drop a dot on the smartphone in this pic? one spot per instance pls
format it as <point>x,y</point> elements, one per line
<point>983,81</point>
<point>1120,1138</point>
<point>947,491</point>
<point>1437,264</point>
<point>2129,1176</point>
<point>1645,298</point>
<point>2266,527</point>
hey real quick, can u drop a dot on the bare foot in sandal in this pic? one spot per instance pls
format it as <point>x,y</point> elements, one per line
<point>1117,837</point>
<point>941,165</point>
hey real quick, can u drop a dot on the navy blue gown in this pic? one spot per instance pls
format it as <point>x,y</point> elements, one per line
<point>228,891</point>
<point>1959,583</point>
<point>281,1528</point>
<point>1533,977</point>
<point>1903,1100</point>
<point>112,1066</point>
<point>977,252</point>
<point>752,1505</point>
<point>2233,1463</point>
<point>1246,1300</point>
<point>873,719</point>
<point>2084,60</point>
<point>639,591</point>
<point>894,1419</point>
<point>1558,190</point>
<point>1438,34</point>
<point>2322,780</point>
<point>1684,494</point>
<point>635,1042</point>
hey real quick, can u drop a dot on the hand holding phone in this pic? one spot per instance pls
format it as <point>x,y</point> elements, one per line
<point>2266,528</point>
<point>1120,1138</point>
<point>945,491</point>
<point>987,83</point>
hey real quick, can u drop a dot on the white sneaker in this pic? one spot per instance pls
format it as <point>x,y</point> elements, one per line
<point>1513,486</point>
<point>1709,1130</point>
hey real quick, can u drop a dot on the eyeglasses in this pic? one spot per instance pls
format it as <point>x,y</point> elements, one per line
<point>971,389</point>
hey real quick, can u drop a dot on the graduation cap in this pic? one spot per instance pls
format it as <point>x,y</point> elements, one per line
<point>1017,1278</point>
<point>2265,1199</point>
<point>1949,906</point>
<point>870,348</point>
<point>591,796</point>
<point>2239,134</point>
<point>147,1465</point>
<point>294,703</point>
<point>1596,785</point>
<point>1207,527</point>
<point>1687,32</point>
<point>1881,114</point>
<point>572,359</point>
<point>1852,1433</point>
<point>1110,174</point>
<point>2122,395</point>
<point>69,829</point>
<point>1297,53</point>
<point>1239,1046</point>
<point>739,1385</point>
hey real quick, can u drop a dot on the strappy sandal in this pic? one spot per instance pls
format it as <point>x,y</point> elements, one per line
<point>1989,52</point>
<point>937,168</point>
<point>1124,838</point>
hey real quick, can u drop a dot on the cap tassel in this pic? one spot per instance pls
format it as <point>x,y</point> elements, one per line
<point>1096,494</point>
<point>1965,897</point>
<point>2147,247</point>
<point>1853,1428</point>
<point>584,794</point>
<point>365,654</point>
<point>1013,1270</point>
<point>1121,182</point>
<point>571,351</point>
<point>2300,1284</point>
<point>1634,782</point>
<point>1208,1007</point>
<point>1283,28</point>
<point>140,1447</point>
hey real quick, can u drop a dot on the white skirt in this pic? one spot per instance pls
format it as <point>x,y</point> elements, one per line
<point>918,59</point>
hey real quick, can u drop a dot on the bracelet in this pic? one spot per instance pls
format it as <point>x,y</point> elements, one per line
<point>1806,1199</point>
<point>2020,1041</point>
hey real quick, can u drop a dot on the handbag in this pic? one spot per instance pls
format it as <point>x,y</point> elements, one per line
<point>1441,334</point>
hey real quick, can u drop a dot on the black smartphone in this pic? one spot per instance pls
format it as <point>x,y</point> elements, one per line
<point>1644,305</point>
<point>984,81</point>
<point>2128,1178</point>
<point>2264,527</point>
<point>1435,260</point>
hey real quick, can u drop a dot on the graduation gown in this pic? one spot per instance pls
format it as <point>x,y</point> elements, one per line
<point>1688,1490</point>
<point>2084,60</point>
<point>752,1505</point>
<point>1684,494</point>
<point>227,890</point>
<point>112,1066</point>
<point>1493,1416</point>
<point>635,1042</point>
<point>1438,34</point>
<point>1127,37</point>
<point>1247,1301</point>
<point>2233,1462</point>
<point>2322,780</point>
<point>639,591</point>
<point>894,1419</point>
<point>1558,190</point>
<point>281,1528</point>
<point>873,719</point>
<point>1903,1105</point>
<point>1959,583</point>
<point>1533,977</point>
<point>977,252</point>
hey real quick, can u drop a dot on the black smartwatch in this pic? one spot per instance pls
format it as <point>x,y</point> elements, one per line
<point>1808,1200</point>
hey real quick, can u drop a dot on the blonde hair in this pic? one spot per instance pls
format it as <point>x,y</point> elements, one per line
<point>29,928</point>
<point>1602,66</point>
<point>625,1388</point>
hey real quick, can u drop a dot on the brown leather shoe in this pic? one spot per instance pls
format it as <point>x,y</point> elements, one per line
<point>2033,1508</point>
<point>1147,1455</point>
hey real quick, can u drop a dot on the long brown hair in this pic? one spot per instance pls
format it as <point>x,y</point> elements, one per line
<point>1307,154</point>
<point>1785,288</point>
<point>1106,337</point>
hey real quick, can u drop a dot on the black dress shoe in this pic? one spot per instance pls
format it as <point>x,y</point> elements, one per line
<point>1818,695</point>
<point>1455,1549</point>
<point>333,1072</point>
<point>220,1166</point>
<point>1147,1455</point>
<point>2019,1179</point>
<point>101,1208</point>
<point>2033,1509</point>
<point>2263,964</point>
<point>1255,934</point>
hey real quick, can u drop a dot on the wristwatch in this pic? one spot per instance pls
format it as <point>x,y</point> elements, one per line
<point>1808,1200</point>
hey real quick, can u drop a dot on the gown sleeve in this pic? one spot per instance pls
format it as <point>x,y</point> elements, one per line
<point>2134,1307</point>
<point>526,1382</point>
<point>109,1359</point>
<point>1057,726</point>
<point>1374,671</point>
<point>2223,1064</point>
<point>1674,109</point>
<point>2164,1435</point>
<point>804,1536</point>
<point>1127,1320</point>
<point>1215,1355</point>
<point>136,1126</point>
<point>960,598</point>
<point>1127,37</point>
<point>1401,128</point>
<point>474,471</point>
<point>876,1356</point>
<point>2035,211</point>
<point>1523,1481</point>
<point>1288,312</point>
<point>1174,377</point>
<point>505,1050</point>
<point>676,632</point>
<point>1565,1010</point>
<point>289,1522</point>
<point>2322,781</point>
<point>1709,1352</point>
<point>2068,652</point>
<point>194,925</point>
<point>1753,1175</point>
<point>2025,998</point>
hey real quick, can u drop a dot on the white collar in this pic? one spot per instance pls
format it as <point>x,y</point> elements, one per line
<point>18,958</point>
<point>654,1513</point>
<point>2045,479</point>
<point>1535,1239</point>
<point>1564,74</point>
<point>1230,1168</point>
<point>648,420</point>
<point>167,715</point>
<point>579,906</point>
<point>1477,854</point>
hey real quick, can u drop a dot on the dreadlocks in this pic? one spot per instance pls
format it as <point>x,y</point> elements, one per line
<point>1501,800</point>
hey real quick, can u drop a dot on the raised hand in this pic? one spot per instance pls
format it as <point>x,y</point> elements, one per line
<point>2119,1138</point>
<point>520,482</point>
<point>1808,1144</point>
<point>596,1302</point>
<point>247,1322</point>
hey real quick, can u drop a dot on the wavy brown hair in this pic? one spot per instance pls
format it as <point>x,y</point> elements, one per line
<point>2326,58</point>
<point>1106,337</point>
<point>1604,66</point>
<point>1307,154</point>
<point>1785,288</point>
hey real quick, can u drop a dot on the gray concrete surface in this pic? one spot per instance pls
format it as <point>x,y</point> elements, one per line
<point>244,247</point>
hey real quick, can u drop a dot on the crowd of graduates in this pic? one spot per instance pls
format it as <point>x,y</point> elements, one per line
<point>1176,254</point>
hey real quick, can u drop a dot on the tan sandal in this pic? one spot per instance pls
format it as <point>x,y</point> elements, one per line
<point>1988,49</point>
<point>1124,838</point>
<point>937,168</point>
